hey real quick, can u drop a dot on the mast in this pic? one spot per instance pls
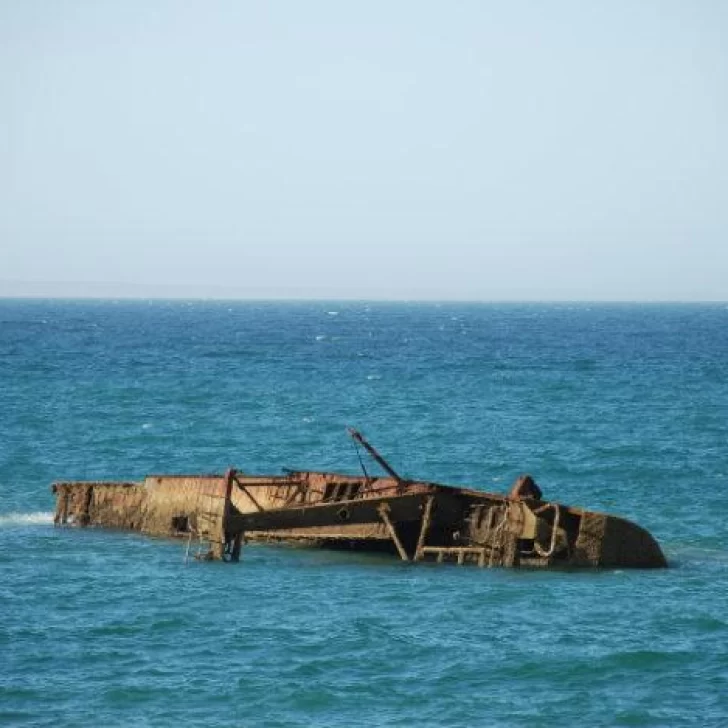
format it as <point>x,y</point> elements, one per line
<point>358,437</point>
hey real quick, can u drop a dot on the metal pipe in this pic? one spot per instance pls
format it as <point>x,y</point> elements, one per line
<point>358,437</point>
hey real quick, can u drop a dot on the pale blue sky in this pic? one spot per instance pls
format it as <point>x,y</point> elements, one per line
<point>513,150</point>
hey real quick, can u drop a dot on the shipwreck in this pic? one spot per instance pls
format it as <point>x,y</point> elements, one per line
<point>414,519</point>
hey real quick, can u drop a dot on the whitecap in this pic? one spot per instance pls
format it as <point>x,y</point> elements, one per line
<point>146,426</point>
<point>374,376</point>
<point>39,518</point>
<point>320,337</point>
<point>332,313</point>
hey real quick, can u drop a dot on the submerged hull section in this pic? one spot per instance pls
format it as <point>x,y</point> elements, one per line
<point>417,520</point>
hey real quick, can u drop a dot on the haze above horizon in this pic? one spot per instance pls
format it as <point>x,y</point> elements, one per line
<point>476,151</point>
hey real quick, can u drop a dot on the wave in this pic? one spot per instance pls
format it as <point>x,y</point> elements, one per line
<point>39,518</point>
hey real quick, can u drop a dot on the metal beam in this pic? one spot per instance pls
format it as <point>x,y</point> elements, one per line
<point>358,437</point>
<point>247,492</point>
<point>425,526</point>
<point>403,508</point>
<point>383,511</point>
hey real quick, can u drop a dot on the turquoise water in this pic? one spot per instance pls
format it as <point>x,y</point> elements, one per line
<point>619,408</point>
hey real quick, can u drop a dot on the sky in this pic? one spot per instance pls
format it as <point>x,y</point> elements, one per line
<point>469,150</point>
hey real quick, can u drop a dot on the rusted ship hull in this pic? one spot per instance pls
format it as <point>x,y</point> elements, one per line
<point>417,520</point>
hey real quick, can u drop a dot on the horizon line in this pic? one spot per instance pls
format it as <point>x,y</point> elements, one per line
<point>70,290</point>
<point>311,299</point>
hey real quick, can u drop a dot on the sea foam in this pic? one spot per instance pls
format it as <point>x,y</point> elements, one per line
<point>39,518</point>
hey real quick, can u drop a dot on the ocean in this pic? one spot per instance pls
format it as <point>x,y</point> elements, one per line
<point>621,408</point>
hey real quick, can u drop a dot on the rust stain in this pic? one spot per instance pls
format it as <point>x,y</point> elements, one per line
<point>418,520</point>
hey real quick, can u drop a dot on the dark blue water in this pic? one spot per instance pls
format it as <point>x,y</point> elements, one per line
<point>618,408</point>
